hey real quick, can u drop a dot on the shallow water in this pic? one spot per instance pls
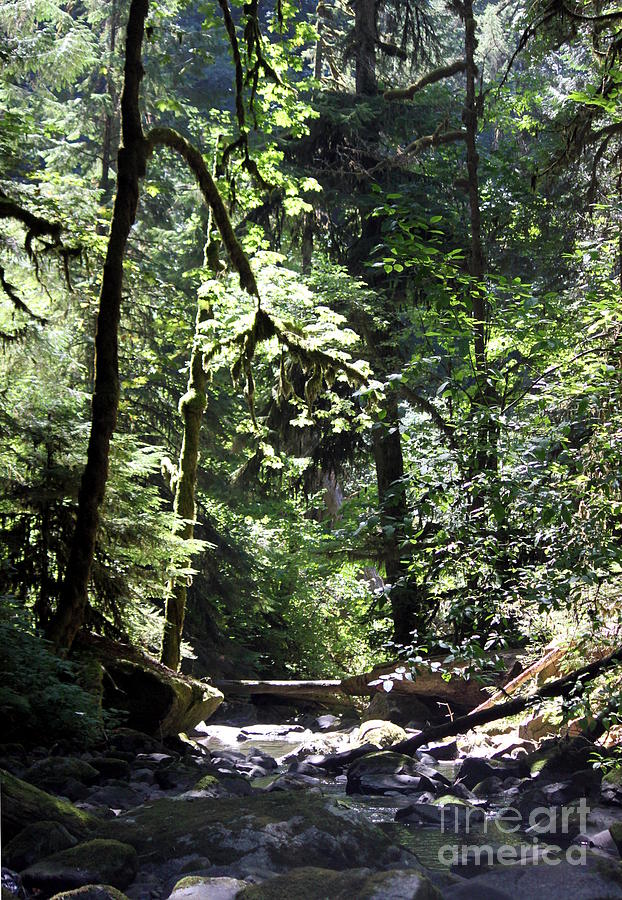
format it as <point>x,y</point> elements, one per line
<point>428,843</point>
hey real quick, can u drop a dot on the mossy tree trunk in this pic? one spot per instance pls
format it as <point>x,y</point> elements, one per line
<point>407,609</point>
<point>365,47</point>
<point>485,456</point>
<point>191,407</point>
<point>69,614</point>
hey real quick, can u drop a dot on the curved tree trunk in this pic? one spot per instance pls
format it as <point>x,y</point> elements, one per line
<point>131,168</point>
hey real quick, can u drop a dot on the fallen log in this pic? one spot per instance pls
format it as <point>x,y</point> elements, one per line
<point>460,691</point>
<point>561,687</point>
<point>548,661</point>
<point>324,691</point>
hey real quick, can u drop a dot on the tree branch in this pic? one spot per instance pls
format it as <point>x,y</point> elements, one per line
<point>35,225</point>
<point>16,300</point>
<point>433,140</point>
<point>427,407</point>
<point>168,137</point>
<point>391,49</point>
<point>459,65</point>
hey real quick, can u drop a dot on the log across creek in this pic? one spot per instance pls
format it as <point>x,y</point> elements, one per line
<point>460,690</point>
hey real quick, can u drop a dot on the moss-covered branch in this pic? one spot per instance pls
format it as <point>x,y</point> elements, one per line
<point>168,137</point>
<point>407,93</point>
<point>319,365</point>
<point>11,291</point>
<point>36,226</point>
<point>433,140</point>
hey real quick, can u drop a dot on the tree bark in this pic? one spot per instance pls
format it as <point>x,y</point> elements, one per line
<point>131,168</point>
<point>191,407</point>
<point>485,458</point>
<point>105,182</point>
<point>406,606</point>
<point>365,47</point>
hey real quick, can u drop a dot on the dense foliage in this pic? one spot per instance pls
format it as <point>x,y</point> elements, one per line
<point>416,440</point>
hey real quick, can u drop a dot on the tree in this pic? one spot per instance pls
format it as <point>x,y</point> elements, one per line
<point>132,161</point>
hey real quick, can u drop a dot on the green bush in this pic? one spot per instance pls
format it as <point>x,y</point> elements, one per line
<point>41,698</point>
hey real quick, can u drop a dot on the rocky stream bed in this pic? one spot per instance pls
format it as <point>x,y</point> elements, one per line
<point>252,811</point>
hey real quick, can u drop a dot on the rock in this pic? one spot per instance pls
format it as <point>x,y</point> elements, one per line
<point>116,796</point>
<point>54,771</point>
<point>202,888</point>
<point>318,884</point>
<point>270,831</point>
<point>615,831</point>
<point>268,732</point>
<point>475,769</point>
<point>35,842</point>
<point>94,862</point>
<point>380,733</point>
<point>155,699</point>
<point>598,880</point>
<point>11,885</point>
<point>328,722</point>
<point>603,840</point>
<point>111,767</point>
<point>91,892</point>
<point>234,784</point>
<point>294,781</point>
<point>449,817</point>
<point>23,804</point>
<point>263,760</point>
<point>536,728</point>
<point>400,709</point>
<point>379,773</point>
<point>488,787</point>
<point>443,751</point>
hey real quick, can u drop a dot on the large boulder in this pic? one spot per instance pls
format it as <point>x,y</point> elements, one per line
<point>155,699</point>
<point>598,879</point>
<point>274,832</point>
<point>401,709</point>
<point>380,733</point>
<point>310,883</point>
<point>55,772</point>
<point>24,804</point>
<point>35,842</point>
<point>386,771</point>
<point>94,862</point>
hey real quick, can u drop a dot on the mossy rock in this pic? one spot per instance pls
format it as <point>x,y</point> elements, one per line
<point>291,829</point>
<point>35,842</point>
<point>23,804</point>
<point>383,762</point>
<point>91,892</point>
<point>380,733</point>
<point>94,862</point>
<point>55,770</point>
<point>155,699</point>
<point>205,783</point>
<point>195,887</point>
<point>310,883</point>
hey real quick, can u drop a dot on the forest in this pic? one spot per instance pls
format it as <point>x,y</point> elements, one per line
<point>311,449</point>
